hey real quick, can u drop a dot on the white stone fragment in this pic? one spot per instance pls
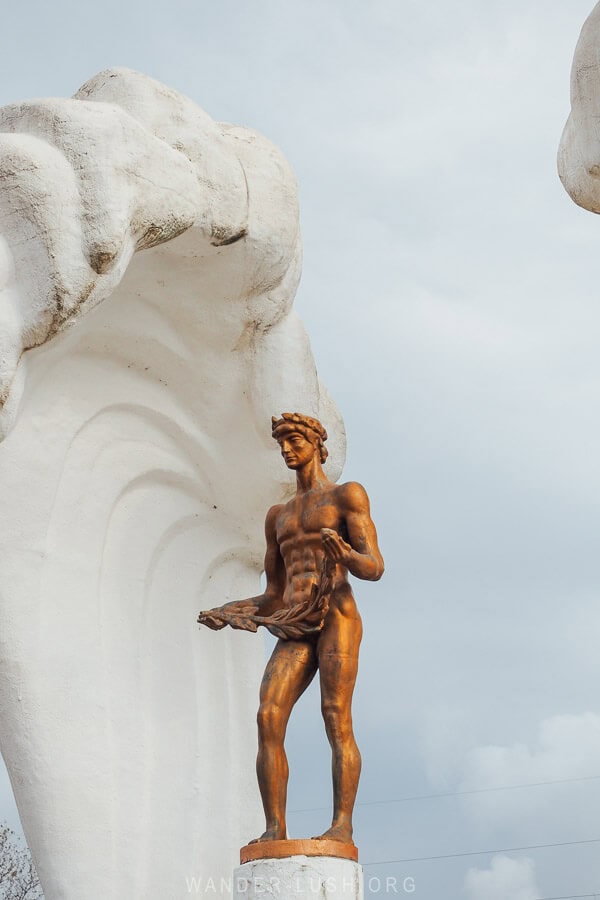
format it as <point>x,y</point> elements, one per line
<point>136,473</point>
<point>579,150</point>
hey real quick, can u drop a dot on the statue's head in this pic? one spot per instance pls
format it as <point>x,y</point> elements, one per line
<point>300,438</point>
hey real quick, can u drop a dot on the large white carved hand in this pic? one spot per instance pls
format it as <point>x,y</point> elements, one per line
<point>136,474</point>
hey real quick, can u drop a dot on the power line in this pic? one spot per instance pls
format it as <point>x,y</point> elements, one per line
<point>388,862</point>
<point>571,896</point>
<point>506,787</point>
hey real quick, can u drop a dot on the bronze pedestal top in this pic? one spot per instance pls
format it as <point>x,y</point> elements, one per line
<point>312,847</point>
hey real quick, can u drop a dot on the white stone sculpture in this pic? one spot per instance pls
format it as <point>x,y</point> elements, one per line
<point>136,470</point>
<point>579,151</point>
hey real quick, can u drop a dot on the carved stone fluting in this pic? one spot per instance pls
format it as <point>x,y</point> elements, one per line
<point>135,472</point>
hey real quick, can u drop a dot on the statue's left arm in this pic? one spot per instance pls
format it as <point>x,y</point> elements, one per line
<point>361,554</point>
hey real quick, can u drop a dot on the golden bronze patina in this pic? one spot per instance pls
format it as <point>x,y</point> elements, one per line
<point>313,541</point>
<point>303,847</point>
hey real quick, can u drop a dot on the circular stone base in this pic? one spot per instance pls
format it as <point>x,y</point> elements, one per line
<point>307,847</point>
<point>299,878</point>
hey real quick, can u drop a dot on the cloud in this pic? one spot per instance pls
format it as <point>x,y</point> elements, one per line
<point>506,877</point>
<point>567,747</point>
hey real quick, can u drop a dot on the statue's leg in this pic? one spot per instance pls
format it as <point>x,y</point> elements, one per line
<point>338,665</point>
<point>289,672</point>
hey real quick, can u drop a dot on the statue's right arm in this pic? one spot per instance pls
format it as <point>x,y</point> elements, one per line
<point>271,599</point>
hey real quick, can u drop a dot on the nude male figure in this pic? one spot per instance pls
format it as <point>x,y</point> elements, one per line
<point>325,527</point>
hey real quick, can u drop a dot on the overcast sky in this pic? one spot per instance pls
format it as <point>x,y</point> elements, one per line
<point>451,291</point>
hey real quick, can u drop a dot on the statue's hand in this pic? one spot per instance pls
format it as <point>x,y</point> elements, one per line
<point>335,546</point>
<point>212,618</point>
<point>236,617</point>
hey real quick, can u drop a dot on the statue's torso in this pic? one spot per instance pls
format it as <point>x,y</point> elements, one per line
<point>298,528</point>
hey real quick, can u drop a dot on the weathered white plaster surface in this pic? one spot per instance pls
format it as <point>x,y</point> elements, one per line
<point>579,151</point>
<point>299,878</point>
<point>136,472</point>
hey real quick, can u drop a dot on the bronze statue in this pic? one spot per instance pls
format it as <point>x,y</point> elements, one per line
<point>313,541</point>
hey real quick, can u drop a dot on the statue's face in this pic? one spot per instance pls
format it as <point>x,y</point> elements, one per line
<point>296,449</point>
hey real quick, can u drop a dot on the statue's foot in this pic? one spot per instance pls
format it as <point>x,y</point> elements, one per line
<point>271,834</point>
<point>341,833</point>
